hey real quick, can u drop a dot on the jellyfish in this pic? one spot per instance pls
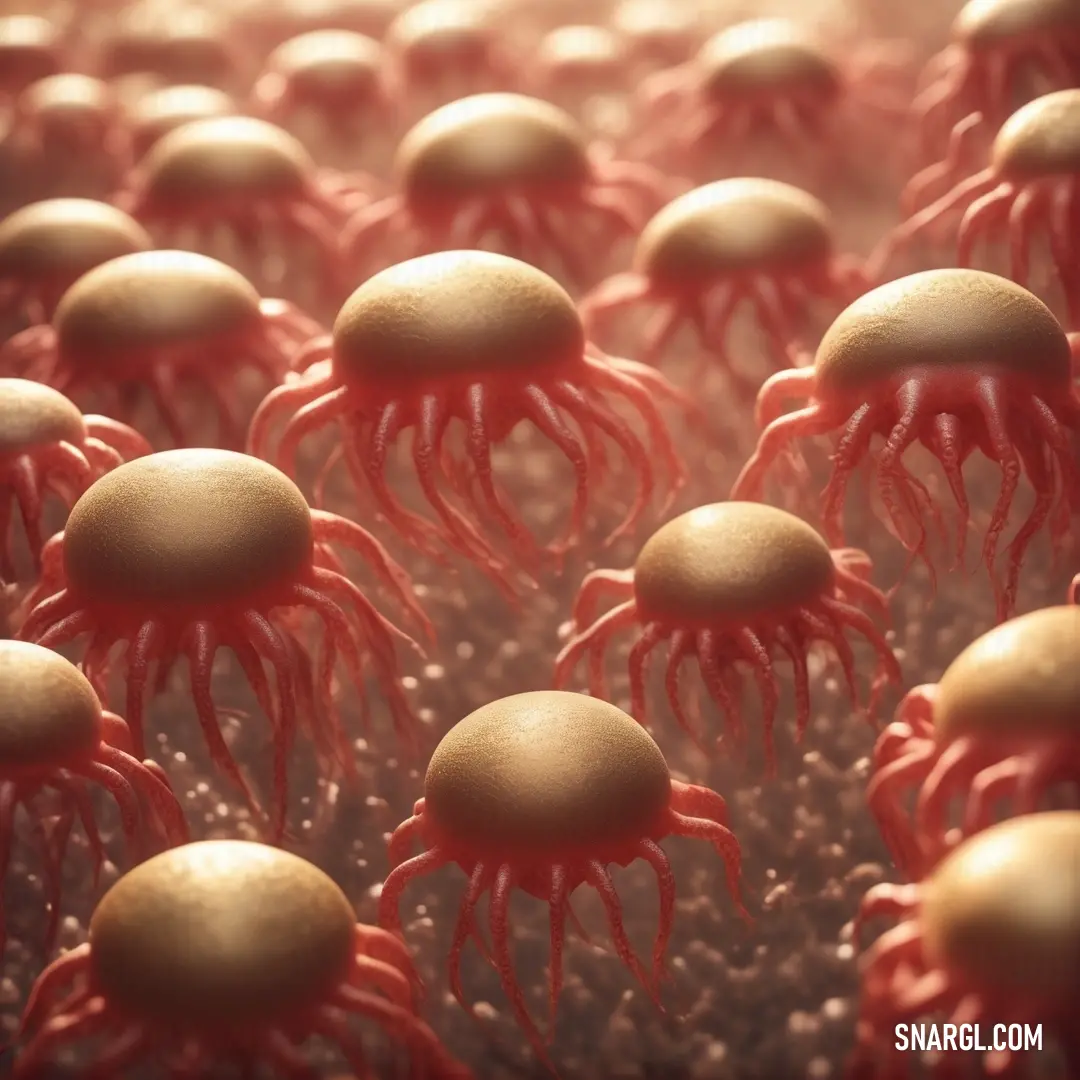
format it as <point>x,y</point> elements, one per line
<point>186,552</point>
<point>31,48</point>
<point>48,447</point>
<point>508,168</point>
<point>75,126</point>
<point>1000,729</point>
<point>541,792</point>
<point>269,23</point>
<point>226,951</point>
<point>573,66</point>
<point>335,75</point>
<point>992,935</point>
<point>55,739</point>
<point>163,322</point>
<point>185,44</point>
<point>958,360</point>
<point>441,50</point>
<point>773,77</point>
<point>737,242</point>
<point>727,586</point>
<point>247,176</point>
<point>47,246</point>
<point>1030,188</point>
<point>157,112</point>
<point>1000,50</point>
<point>485,339</point>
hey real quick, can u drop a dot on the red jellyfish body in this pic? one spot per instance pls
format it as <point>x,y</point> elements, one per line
<point>990,938</point>
<point>481,338</point>
<point>956,360</point>
<point>1001,728</point>
<point>188,43</point>
<point>225,951</point>
<point>729,585</point>
<point>246,175</point>
<point>580,66</point>
<point>333,76</point>
<point>157,112</point>
<point>47,246</point>
<point>733,242</point>
<point>441,50</point>
<point>55,738</point>
<point>48,447</point>
<point>541,792</point>
<point>269,23</point>
<point>182,553</point>
<point>67,119</point>
<point>771,78</point>
<point>509,167</point>
<point>163,323</point>
<point>1030,187</point>
<point>1001,51</point>
<point>657,35</point>
<point>30,49</point>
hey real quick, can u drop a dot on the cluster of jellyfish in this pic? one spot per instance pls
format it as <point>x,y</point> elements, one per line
<point>327,327</point>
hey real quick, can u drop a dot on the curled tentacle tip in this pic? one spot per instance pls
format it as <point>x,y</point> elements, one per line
<point>416,647</point>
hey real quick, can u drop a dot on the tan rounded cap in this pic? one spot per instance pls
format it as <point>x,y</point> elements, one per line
<point>329,64</point>
<point>655,30</point>
<point>765,56</point>
<point>546,772</point>
<point>581,49</point>
<point>942,318</point>
<point>64,238</point>
<point>730,562</point>
<point>1041,139</point>
<point>226,157</point>
<point>187,527</point>
<point>989,23</point>
<point>68,95</point>
<point>188,44</point>
<point>370,17</point>
<point>282,19</point>
<point>28,51</point>
<point>49,713</point>
<point>434,28</point>
<point>221,933</point>
<point>34,415</point>
<point>489,143</point>
<point>26,32</point>
<point>146,301</point>
<point>167,108</point>
<point>729,226</point>
<point>1003,910</point>
<point>456,312</point>
<point>1023,677</point>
